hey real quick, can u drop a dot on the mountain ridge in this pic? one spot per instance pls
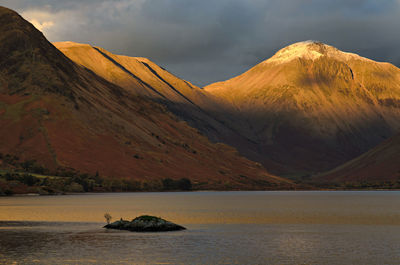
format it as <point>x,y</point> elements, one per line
<point>312,50</point>
<point>65,116</point>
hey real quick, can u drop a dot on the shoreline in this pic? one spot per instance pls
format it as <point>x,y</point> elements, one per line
<point>193,191</point>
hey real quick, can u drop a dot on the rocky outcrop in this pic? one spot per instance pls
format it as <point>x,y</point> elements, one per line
<point>145,223</point>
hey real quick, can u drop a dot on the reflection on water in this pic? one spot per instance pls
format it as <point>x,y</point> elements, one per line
<point>223,228</point>
<point>213,207</point>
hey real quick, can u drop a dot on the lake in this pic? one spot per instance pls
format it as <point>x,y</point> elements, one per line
<point>294,227</point>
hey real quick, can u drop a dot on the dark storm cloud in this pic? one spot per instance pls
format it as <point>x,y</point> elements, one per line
<point>207,41</point>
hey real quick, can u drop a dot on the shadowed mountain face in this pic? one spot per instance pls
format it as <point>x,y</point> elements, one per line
<point>312,107</point>
<point>28,60</point>
<point>378,165</point>
<point>64,115</point>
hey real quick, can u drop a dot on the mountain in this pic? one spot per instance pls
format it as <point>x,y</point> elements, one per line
<point>378,166</point>
<point>312,107</point>
<point>65,116</point>
<point>143,77</point>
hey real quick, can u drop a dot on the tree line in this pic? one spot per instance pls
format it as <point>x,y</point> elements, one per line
<point>28,176</point>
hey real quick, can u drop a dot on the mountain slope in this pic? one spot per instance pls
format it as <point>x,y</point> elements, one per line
<point>378,165</point>
<point>143,77</point>
<point>134,73</point>
<point>65,116</point>
<point>312,107</point>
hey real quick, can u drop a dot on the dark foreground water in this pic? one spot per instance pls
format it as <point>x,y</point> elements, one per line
<point>223,228</point>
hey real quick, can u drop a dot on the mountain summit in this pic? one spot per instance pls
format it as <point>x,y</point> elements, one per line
<point>311,50</point>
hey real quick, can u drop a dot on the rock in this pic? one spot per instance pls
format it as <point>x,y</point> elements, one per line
<point>145,223</point>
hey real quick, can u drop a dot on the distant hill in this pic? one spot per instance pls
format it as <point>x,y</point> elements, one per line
<point>65,116</point>
<point>378,166</point>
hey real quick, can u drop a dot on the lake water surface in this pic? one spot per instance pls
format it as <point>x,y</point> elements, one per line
<point>223,228</point>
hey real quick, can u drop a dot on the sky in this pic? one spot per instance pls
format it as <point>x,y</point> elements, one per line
<point>204,41</point>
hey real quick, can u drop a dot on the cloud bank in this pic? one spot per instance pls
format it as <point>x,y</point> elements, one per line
<point>207,41</point>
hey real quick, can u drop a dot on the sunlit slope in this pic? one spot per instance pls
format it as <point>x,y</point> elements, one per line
<point>101,66</point>
<point>129,72</point>
<point>312,107</point>
<point>67,117</point>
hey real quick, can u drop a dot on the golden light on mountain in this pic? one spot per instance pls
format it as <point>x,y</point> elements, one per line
<point>312,106</point>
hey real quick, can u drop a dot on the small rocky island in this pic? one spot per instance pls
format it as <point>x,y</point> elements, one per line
<point>145,223</point>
